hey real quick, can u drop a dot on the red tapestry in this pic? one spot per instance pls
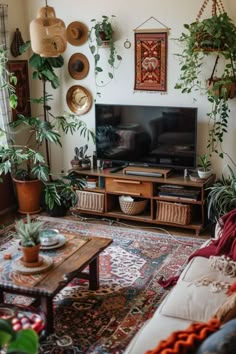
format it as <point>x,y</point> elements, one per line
<point>150,61</point>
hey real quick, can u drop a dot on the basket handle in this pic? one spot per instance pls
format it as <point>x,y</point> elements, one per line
<point>127,181</point>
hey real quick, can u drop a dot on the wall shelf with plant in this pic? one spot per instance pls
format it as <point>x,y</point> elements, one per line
<point>101,35</point>
<point>212,38</point>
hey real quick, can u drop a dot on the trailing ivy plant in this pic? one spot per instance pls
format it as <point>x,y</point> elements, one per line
<point>215,36</point>
<point>101,35</point>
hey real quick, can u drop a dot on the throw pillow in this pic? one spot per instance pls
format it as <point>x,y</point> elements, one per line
<point>227,311</point>
<point>220,342</point>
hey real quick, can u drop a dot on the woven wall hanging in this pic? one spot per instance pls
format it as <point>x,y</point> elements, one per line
<point>151,58</point>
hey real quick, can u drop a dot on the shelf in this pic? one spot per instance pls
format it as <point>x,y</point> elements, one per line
<point>117,184</point>
<point>179,200</point>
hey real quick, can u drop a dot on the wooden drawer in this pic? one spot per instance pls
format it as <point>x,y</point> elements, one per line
<point>129,187</point>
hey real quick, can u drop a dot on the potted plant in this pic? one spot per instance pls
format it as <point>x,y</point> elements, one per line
<point>29,234</point>
<point>215,36</point>
<point>60,195</point>
<point>204,170</point>
<point>100,35</point>
<point>81,160</point>
<point>26,162</point>
<point>222,196</point>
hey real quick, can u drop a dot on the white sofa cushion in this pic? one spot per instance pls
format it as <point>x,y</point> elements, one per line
<point>193,303</point>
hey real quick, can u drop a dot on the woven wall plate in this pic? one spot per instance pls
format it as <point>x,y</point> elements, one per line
<point>78,99</point>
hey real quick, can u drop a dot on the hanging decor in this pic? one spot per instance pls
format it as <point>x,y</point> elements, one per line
<point>151,58</point>
<point>20,70</point>
<point>48,33</point>
<point>17,42</point>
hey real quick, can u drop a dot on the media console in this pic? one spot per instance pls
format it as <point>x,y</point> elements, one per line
<point>171,199</point>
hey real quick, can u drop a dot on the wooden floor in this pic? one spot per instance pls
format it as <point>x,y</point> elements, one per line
<point>205,234</point>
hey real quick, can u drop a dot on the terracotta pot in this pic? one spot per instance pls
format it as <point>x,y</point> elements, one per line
<point>29,196</point>
<point>31,254</point>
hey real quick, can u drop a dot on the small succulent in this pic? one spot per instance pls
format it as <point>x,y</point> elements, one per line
<point>28,231</point>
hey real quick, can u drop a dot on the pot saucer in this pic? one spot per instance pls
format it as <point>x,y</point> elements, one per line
<point>32,264</point>
<point>47,263</point>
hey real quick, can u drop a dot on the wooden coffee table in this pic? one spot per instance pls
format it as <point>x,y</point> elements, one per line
<point>60,275</point>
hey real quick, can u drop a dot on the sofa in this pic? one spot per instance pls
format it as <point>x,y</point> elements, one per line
<point>200,293</point>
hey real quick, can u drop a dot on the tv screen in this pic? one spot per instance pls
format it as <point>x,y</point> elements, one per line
<point>146,135</point>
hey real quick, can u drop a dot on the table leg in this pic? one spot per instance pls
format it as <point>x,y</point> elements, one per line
<point>47,308</point>
<point>94,274</point>
<point>1,297</point>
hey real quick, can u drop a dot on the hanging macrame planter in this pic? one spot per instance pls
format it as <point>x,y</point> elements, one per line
<point>206,38</point>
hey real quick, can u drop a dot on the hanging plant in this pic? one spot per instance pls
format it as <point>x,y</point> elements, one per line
<point>215,36</point>
<point>101,36</point>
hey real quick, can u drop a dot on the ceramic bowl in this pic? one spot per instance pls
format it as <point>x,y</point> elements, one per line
<point>48,237</point>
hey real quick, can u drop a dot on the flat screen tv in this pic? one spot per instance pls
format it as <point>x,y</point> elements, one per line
<point>146,135</point>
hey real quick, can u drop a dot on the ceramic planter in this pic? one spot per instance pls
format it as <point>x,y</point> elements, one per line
<point>204,174</point>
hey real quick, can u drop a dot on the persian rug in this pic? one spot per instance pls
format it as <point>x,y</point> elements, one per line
<point>105,321</point>
<point>150,61</point>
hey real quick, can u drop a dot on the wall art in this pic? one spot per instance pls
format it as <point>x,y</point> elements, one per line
<point>20,69</point>
<point>151,60</point>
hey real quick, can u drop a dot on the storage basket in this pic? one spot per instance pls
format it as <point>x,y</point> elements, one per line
<point>175,213</point>
<point>90,201</point>
<point>132,207</point>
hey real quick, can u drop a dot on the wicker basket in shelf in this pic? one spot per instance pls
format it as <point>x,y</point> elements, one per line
<point>90,201</point>
<point>175,213</point>
<point>132,207</point>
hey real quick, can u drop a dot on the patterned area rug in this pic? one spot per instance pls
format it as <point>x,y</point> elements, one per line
<point>104,321</point>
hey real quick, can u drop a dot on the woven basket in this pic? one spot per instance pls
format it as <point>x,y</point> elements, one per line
<point>90,201</point>
<point>175,213</point>
<point>133,208</point>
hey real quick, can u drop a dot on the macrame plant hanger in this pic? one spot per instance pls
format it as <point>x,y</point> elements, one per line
<point>217,8</point>
<point>146,30</point>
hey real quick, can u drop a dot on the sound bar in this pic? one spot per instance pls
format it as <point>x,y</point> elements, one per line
<point>143,173</point>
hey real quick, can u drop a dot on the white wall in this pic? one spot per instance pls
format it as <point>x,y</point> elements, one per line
<point>129,15</point>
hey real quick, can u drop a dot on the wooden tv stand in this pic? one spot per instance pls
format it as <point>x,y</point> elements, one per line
<point>104,199</point>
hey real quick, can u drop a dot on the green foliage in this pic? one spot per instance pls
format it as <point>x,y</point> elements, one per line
<point>28,231</point>
<point>24,341</point>
<point>26,162</point>
<point>99,32</point>
<point>204,163</point>
<point>212,36</point>
<point>222,195</point>
<point>7,79</point>
<point>62,191</point>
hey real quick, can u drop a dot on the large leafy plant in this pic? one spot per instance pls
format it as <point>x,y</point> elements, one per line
<point>27,162</point>
<point>222,195</point>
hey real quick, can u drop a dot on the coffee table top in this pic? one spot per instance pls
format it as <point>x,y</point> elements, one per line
<point>73,257</point>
